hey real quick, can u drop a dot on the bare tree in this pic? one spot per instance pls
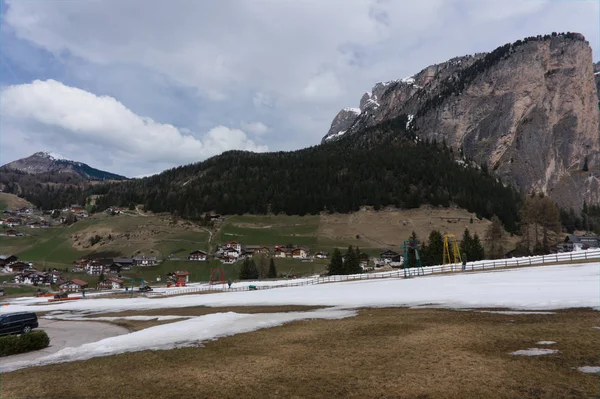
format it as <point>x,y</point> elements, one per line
<point>495,237</point>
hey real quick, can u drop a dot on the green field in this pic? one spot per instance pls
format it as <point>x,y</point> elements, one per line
<point>3,205</point>
<point>12,292</point>
<point>122,235</point>
<point>282,230</point>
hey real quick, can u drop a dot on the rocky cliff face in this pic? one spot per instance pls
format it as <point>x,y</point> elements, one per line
<point>529,111</point>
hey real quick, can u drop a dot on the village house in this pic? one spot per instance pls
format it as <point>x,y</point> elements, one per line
<point>231,253</point>
<point>235,245</point>
<point>110,283</point>
<point>73,285</point>
<point>571,243</point>
<point>590,241</point>
<point>280,252</point>
<point>388,254</point>
<point>14,233</point>
<point>198,255</point>
<point>94,268</point>
<point>18,267</point>
<point>77,208</point>
<point>7,259</point>
<point>11,222</point>
<point>126,263</point>
<point>299,253</point>
<point>33,277</point>
<point>145,261</point>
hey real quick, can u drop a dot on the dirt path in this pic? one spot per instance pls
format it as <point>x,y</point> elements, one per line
<point>64,334</point>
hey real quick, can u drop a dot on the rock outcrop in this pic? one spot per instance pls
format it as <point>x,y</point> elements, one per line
<point>527,110</point>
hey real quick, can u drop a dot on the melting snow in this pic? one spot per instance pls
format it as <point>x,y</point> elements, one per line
<point>589,369</point>
<point>338,134</point>
<point>136,318</point>
<point>56,156</point>
<point>410,80</point>
<point>534,352</point>
<point>531,288</point>
<point>545,343</point>
<point>355,110</point>
<point>186,333</point>
<point>410,119</point>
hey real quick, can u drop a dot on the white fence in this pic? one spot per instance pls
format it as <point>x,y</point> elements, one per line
<point>400,273</point>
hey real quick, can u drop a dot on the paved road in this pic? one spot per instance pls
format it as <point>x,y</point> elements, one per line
<point>65,334</point>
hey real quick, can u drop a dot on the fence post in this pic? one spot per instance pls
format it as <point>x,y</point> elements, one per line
<point>586,255</point>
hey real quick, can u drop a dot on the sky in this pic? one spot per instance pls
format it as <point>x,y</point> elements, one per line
<point>138,86</point>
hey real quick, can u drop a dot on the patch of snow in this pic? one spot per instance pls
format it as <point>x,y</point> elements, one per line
<point>338,134</point>
<point>545,343</point>
<point>409,80</point>
<point>135,318</point>
<point>55,156</point>
<point>410,119</point>
<point>589,369</point>
<point>534,352</point>
<point>371,103</point>
<point>187,333</point>
<point>355,110</point>
<point>531,288</point>
<point>597,73</point>
<point>598,328</point>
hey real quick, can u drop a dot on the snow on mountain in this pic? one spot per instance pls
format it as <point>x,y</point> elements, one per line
<point>56,156</point>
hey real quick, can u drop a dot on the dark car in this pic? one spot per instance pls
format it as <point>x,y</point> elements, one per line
<point>17,323</point>
<point>146,288</point>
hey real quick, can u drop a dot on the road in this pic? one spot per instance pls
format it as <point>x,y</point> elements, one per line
<point>65,334</point>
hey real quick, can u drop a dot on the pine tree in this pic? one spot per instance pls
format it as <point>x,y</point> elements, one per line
<point>412,257</point>
<point>351,262</point>
<point>272,269</point>
<point>478,253</point>
<point>248,270</point>
<point>253,270</point>
<point>466,246</point>
<point>336,266</point>
<point>433,253</point>
<point>263,266</point>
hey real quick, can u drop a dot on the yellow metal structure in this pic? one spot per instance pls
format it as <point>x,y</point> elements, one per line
<point>451,250</point>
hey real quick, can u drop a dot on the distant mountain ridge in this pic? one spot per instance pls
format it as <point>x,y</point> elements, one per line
<point>51,163</point>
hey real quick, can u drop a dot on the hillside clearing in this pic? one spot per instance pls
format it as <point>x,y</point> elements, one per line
<point>13,202</point>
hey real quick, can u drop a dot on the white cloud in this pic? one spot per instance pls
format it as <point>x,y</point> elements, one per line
<point>257,128</point>
<point>77,116</point>
<point>278,61</point>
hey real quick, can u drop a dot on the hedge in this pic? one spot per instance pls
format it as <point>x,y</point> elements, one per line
<point>14,344</point>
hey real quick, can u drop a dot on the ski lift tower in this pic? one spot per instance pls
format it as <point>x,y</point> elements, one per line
<point>412,245</point>
<point>451,251</point>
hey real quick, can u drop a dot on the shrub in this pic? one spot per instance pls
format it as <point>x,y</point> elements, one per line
<point>14,344</point>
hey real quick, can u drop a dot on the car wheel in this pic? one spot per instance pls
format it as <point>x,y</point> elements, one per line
<point>26,329</point>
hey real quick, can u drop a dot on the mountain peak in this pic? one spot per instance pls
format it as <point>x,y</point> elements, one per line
<point>54,163</point>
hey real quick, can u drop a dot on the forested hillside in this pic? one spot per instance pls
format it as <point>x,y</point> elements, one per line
<point>338,177</point>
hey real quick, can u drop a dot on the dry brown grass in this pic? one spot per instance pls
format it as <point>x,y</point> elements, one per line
<point>382,353</point>
<point>14,202</point>
<point>387,228</point>
<point>136,325</point>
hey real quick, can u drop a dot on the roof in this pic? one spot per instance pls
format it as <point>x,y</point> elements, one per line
<point>198,251</point>
<point>78,282</point>
<point>145,258</point>
<point>123,260</point>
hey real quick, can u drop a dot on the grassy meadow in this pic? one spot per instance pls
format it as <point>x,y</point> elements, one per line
<point>381,353</point>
